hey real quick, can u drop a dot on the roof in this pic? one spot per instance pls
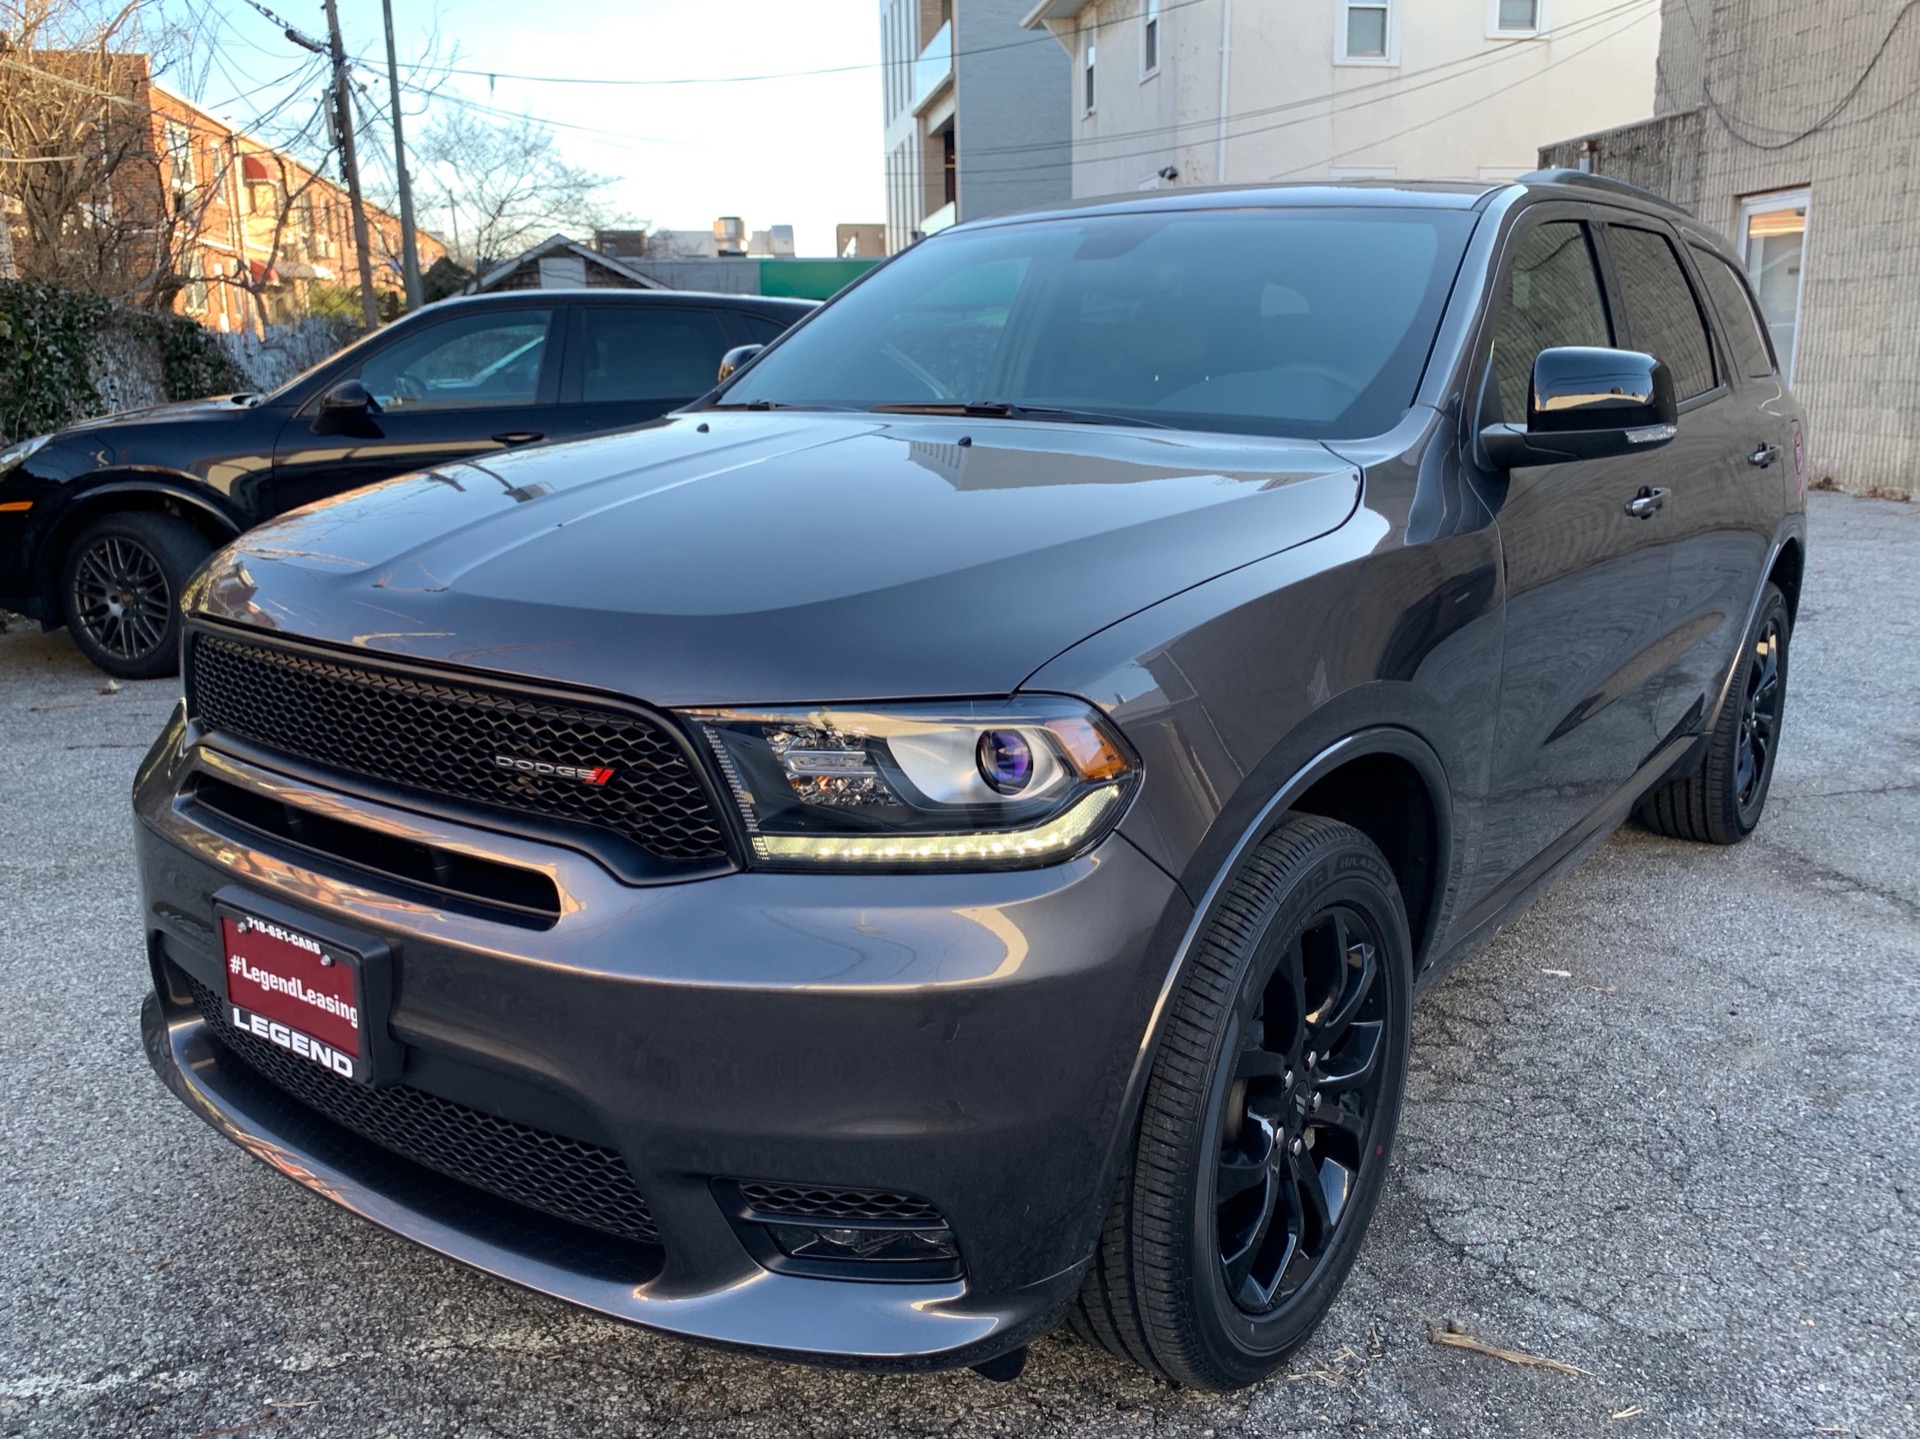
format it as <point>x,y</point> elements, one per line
<point>1342,194</point>
<point>1383,194</point>
<point>561,245</point>
<point>607,295</point>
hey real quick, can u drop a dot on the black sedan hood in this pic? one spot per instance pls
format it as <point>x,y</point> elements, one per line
<point>761,558</point>
<point>171,413</point>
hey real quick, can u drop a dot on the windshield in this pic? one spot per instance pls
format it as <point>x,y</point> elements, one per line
<point>1311,323</point>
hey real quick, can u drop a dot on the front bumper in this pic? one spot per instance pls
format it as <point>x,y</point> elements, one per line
<point>965,1038</point>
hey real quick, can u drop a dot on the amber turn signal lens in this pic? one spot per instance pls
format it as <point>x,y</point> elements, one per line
<point>1092,753</point>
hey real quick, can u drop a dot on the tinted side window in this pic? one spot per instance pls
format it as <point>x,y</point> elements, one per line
<point>1739,321</point>
<point>490,358</point>
<point>1552,298</point>
<point>633,353</point>
<point>1662,313</point>
<point>762,331</point>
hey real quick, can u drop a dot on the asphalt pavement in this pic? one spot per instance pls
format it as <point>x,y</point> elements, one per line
<point>1665,1129</point>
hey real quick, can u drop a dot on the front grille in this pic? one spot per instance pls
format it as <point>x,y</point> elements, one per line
<point>807,1201</point>
<point>567,1178</point>
<point>441,737</point>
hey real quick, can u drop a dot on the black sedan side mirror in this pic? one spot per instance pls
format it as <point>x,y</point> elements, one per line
<point>735,358</point>
<point>349,397</point>
<point>347,409</point>
<point>1587,404</point>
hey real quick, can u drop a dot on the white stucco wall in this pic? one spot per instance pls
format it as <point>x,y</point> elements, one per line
<point>1458,104</point>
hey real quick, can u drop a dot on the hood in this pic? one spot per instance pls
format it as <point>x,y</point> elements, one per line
<point>735,558</point>
<point>171,413</point>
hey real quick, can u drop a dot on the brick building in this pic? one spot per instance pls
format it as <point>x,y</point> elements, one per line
<point>167,203</point>
<point>1795,130</point>
<point>254,221</point>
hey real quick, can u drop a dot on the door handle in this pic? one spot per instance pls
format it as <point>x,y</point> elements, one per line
<point>1764,456</point>
<point>1643,505</point>
<point>518,437</point>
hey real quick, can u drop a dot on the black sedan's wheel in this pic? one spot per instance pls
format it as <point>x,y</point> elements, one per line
<point>121,587</point>
<point>1269,1117</point>
<point>1720,802</point>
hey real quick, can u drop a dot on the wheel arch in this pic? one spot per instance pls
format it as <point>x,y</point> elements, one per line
<point>1787,571</point>
<point>129,493</point>
<point>1338,781</point>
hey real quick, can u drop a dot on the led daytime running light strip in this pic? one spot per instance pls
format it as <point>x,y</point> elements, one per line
<point>1059,835</point>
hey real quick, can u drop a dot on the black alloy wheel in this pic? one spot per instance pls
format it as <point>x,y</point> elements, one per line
<point>1720,801</point>
<point>1264,1138</point>
<point>121,588</point>
<point>1759,712</point>
<point>1295,1129</point>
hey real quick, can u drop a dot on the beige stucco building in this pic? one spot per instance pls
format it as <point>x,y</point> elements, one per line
<point>1201,92</point>
<point>1795,129</point>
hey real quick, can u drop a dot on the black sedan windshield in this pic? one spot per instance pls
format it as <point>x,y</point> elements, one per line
<point>1314,323</point>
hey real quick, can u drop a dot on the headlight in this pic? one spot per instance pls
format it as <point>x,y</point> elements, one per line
<point>972,785</point>
<point>15,453</point>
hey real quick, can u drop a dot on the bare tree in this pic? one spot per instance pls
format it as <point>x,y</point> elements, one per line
<point>77,169</point>
<point>507,187</point>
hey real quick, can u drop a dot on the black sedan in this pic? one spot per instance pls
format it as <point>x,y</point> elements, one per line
<point>101,523</point>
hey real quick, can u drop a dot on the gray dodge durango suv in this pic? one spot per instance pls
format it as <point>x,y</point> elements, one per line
<point>943,835</point>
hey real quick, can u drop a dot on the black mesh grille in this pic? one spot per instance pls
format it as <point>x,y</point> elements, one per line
<point>806,1201</point>
<point>567,1178</point>
<point>443,737</point>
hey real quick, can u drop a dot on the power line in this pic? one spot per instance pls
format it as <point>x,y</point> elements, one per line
<point>622,137</point>
<point>1734,126</point>
<point>802,74</point>
<point>1477,100</point>
<point>1485,61</point>
<point>1394,83</point>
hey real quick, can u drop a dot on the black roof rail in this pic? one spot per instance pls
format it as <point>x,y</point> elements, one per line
<point>1601,182</point>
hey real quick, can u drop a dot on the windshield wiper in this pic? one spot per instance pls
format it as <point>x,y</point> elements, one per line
<point>1006,410</point>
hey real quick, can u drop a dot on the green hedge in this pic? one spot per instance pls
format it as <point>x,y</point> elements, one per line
<point>47,335</point>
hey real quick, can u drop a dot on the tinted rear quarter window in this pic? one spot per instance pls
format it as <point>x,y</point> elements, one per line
<point>760,329</point>
<point>633,353</point>
<point>1552,298</point>
<point>1739,321</point>
<point>1663,315</point>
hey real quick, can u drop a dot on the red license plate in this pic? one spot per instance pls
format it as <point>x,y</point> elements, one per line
<point>295,991</point>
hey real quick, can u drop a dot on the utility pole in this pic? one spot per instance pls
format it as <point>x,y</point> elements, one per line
<point>409,245</point>
<point>349,162</point>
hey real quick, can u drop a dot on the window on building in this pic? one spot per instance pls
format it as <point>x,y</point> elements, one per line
<point>1366,32</point>
<point>1515,17</point>
<point>1150,40</point>
<point>1740,322</point>
<point>1663,316</point>
<point>180,156</point>
<point>1087,79</point>
<point>194,291</point>
<point>1773,231</point>
<point>1553,298</point>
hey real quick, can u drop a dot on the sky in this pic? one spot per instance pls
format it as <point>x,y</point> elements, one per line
<point>804,151</point>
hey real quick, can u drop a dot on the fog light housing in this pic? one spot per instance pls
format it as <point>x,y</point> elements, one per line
<point>865,1245</point>
<point>829,1232</point>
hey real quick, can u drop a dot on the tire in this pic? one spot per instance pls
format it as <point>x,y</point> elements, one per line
<point>1721,801</point>
<point>120,584</point>
<point>1181,1282</point>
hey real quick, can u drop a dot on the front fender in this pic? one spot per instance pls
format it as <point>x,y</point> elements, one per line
<point>79,501</point>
